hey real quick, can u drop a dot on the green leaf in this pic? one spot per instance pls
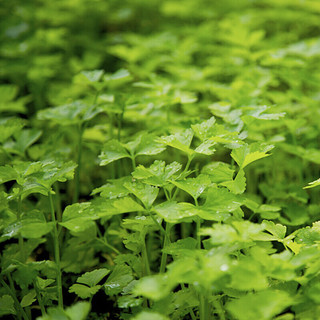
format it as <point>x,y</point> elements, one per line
<point>118,279</point>
<point>7,173</point>
<point>313,184</point>
<point>93,76</point>
<point>277,230</point>
<point>112,207</point>
<point>194,186</point>
<point>148,315</point>
<point>92,278</point>
<point>158,174</point>
<point>144,192</point>
<point>174,212</point>
<point>32,229</point>
<point>6,305</point>
<point>205,129</point>
<point>220,200</point>
<point>114,189</point>
<point>206,148</point>
<point>8,127</point>
<point>25,138</point>
<point>218,172</point>
<point>78,217</point>
<point>28,299</point>
<point>250,153</point>
<point>83,291</point>
<point>262,305</point>
<point>78,311</point>
<point>181,141</point>
<point>146,144</point>
<point>112,151</point>
<point>154,287</point>
<point>65,115</point>
<point>238,185</point>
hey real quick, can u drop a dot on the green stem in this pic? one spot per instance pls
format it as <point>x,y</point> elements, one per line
<point>105,242</point>
<point>36,288</point>
<point>133,161</point>
<point>120,118</point>
<point>78,170</point>
<point>204,312</point>
<point>165,243</point>
<point>16,301</point>
<point>56,252</point>
<point>20,239</point>
<point>145,260</point>
<point>198,222</point>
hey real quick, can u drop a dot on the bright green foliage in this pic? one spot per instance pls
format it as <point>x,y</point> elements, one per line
<point>156,159</point>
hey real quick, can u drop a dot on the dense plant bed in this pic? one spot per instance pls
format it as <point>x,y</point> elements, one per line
<point>156,160</point>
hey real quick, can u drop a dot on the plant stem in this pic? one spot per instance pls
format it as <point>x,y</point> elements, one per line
<point>56,252</point>
<point>133,161</point>
<point>145,259</point>
<point>20,239</point>
<point>198,222</point>
<point>204,314</point>
<point>36,288</point>
<point>165,243</point>
<point>16,301</point>
<point>78,170</point>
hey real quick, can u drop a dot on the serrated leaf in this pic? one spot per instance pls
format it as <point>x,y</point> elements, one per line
<point>181,141</point>
<point>28,299</point>
<point>8,127</point>
<point>249,153</point>
<point>83,291</point>
<point>220,200</point>
<point>174,212</point>
<point>78,217</point>
<point>118,279</point>
<point>114,189</point>
<point>204,130</point>
<point>206,148</point>
<point>238,185</point>
<point>6,305</point>
<point>218,172</point>
<point>7,173</point>
<point>112,151</point>
<point>148,146</point>
<point>194,186</point>
<point>277,230</point>
<point>144,192</point>
<point>110,207</point>
<point>158,174</point>
<point>93,277</point>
